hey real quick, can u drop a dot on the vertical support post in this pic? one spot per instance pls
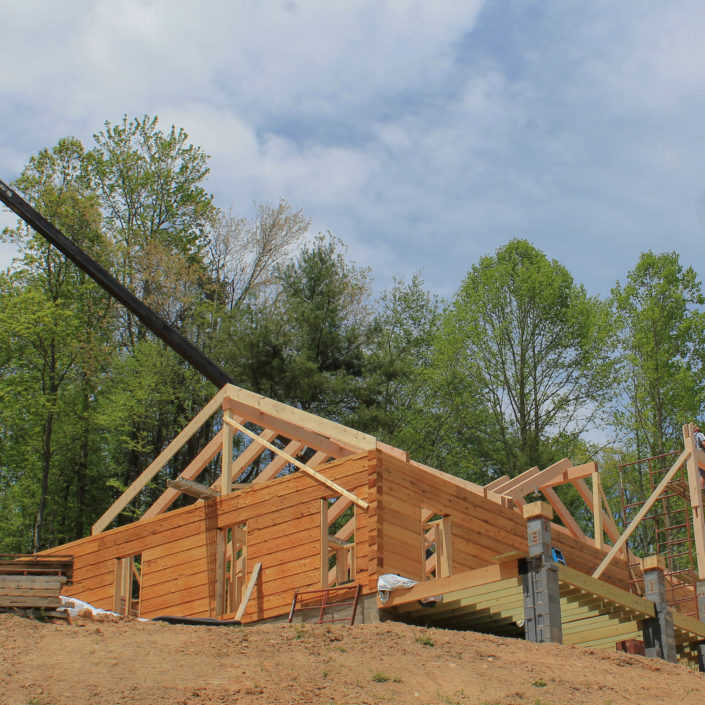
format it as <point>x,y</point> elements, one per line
<point>220,548</point>
<point>597,509</point>
<point>226,476</point>
<point>324,543</point>
<point>444,547</point>
<point>659,636</point>
<point>696,497</point>
<point>542,600</point>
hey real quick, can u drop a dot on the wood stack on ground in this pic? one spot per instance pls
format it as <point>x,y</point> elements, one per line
<point>33,581</point>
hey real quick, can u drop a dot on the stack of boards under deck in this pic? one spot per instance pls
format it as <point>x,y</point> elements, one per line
<point>33,582</point>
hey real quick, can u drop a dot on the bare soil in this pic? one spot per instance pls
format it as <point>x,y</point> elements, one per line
<point>106,663</point>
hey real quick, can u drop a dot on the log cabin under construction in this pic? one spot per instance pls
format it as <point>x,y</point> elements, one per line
<point>334,509</point>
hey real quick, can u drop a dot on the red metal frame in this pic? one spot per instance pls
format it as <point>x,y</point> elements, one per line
<point>326,603</point>
<point>671,523</point>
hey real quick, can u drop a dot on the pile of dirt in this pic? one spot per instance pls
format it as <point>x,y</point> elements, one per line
<point>88,663</point>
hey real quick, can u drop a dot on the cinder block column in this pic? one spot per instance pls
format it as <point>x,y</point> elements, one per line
<point>659,637</point>
<point>542,600</point>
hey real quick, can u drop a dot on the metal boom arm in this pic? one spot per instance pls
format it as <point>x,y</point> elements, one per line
<point>151,320</point>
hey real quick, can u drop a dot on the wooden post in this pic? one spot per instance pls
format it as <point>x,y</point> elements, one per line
<point>659,636</point>
<point>696,496</point>
<point>324,543</point>
<point>597,509</point>
<point>542,599</point>
<point>444,549</point>
<point>220,547</point>
<point>226,476</point>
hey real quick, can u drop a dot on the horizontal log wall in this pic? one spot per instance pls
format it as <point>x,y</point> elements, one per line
<point>178,567</point>
<point>481,529</point>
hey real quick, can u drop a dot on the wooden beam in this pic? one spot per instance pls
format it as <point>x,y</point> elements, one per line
<point>191,488</point>
<point>578,472</point>
<point>346,437</point>
<point>566,517</point>
<point>289,430</point>
<point>337,509</point>
<point>324,543</point>
<point>532,483</point>
<point>191,472</point>
<point>309,471</point>
<point>607,521</point>
<point>597,509</point>
<point>249,455</point>
<point>599,588</point>
<point>508,486</point>
<point>497,483</point>
<point>278,463</point>
<point>226,457</point>
<point>642,513</point>
<point>464,484</point>
<point>453,583</point>
<point>444,548</point>
<point>696,497</point>
<point>248,592</point>
<point>159,462</point>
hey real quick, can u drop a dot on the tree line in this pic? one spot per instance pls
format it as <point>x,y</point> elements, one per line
<point>519,368</point>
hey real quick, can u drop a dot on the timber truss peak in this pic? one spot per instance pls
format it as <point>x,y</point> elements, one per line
<point>514,490</point>
<point>325,440</point>
<point>545,481</point>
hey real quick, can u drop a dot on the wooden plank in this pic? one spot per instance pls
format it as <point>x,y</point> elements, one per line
<point>248,592</point>
<point>250,454</point>
<point>508,486</point>
<point>226,457</point>
<point>642,513</point>
<point>159,462</point>
<point>571,474</point>
<point>309,471</point>
<point>597,510</point>
<point>453,583</point>
<point>289,430</point>
<point>602,589</point>
<point>533,482</point>
<point>348,437</point>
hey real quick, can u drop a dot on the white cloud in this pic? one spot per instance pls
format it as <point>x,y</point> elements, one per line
<point>425,134</point>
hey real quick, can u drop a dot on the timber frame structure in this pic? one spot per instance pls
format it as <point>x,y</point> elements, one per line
<point>243,552</point>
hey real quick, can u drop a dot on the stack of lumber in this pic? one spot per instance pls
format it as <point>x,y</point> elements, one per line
<point>32,581</point>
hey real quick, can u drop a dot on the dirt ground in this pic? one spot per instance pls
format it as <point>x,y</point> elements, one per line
<point>91,663</point>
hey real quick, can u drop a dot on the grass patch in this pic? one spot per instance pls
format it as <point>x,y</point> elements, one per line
<point>424,640</point>
<point>380,677</point>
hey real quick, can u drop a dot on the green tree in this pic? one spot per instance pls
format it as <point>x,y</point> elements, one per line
<point>521,363</point>
<point>397,402</point>
<point>661,348</point>
<point>54,324</point>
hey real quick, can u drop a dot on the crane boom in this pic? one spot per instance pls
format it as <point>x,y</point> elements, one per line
<point>149,318</point>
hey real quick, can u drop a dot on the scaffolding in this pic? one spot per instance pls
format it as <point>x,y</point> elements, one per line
<point>667,529</point>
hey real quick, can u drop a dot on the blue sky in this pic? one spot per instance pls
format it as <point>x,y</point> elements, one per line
<point>423,134</point>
